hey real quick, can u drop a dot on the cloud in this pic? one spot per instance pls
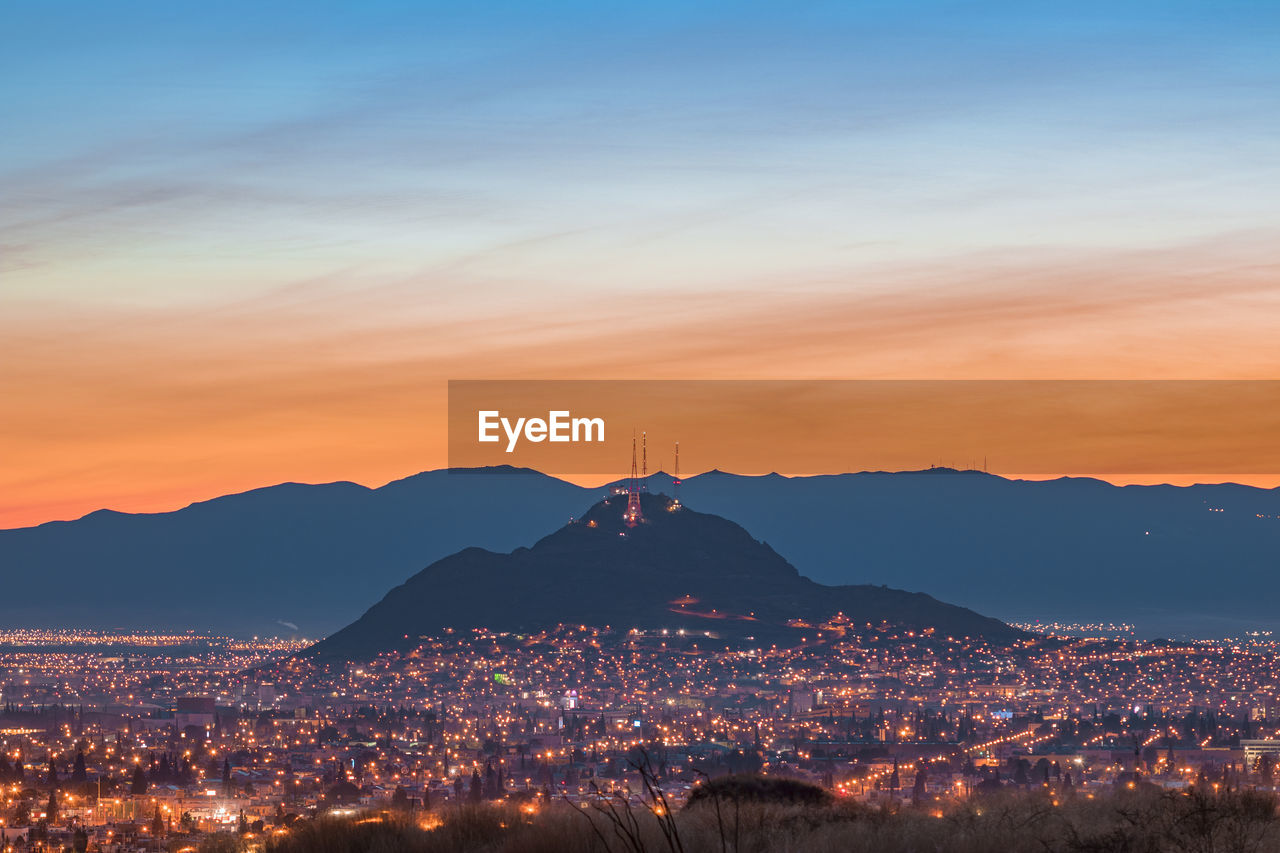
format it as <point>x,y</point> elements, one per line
<point>245,248</point>
<point>319,381</point>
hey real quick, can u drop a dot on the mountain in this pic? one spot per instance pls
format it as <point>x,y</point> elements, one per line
<point>286,559</point>
<point>1199,560</point>
<point>676,570</point>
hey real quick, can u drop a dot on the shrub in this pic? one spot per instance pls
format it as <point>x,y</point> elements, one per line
<point>759,789</point>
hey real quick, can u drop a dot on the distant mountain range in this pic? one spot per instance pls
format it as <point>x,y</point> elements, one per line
<point>274,561</point>
<point>1202,560</point>
<point>699,577</point>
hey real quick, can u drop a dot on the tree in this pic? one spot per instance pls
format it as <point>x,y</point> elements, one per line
<point>139,784</point>
<point>51,807</point>
<point>343,792</point>
<point>79,775</point>
<point>477,793</point>
<point>400,799</point>
<point>490,781</point>
<point>918,789</point>
<point>51,778</point>
<point>157,824</point>
<point>80,840</point>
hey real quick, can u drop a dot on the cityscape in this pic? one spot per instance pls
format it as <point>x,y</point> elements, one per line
<point>156,742</point>
<point>665,427</point>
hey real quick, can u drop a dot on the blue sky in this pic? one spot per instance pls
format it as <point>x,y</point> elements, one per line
<point>145,132</point>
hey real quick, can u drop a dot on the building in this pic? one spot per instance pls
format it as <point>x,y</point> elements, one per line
<point>194,711</point>
<point>1255,748</point>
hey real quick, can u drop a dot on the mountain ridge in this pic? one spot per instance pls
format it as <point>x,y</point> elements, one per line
<point>1192,559</point>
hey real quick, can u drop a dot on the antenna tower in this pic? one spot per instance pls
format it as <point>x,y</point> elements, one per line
<point>644,461</point>
<point>633,515</point>
<point>675,480</point>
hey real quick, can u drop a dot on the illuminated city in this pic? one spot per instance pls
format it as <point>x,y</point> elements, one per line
<point>215,735</point>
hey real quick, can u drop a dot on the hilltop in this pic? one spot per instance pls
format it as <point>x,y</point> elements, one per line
<point>678,570</point>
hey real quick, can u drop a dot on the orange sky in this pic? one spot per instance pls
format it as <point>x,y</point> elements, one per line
<point>1021,427</point>
<point>146,408</point>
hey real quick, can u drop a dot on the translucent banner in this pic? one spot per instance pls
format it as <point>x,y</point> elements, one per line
<point>1015,427</point>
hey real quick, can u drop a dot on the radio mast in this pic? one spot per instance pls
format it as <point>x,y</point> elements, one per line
<point>675,480</point>
<point>633,515</point>
<point>644,461</point>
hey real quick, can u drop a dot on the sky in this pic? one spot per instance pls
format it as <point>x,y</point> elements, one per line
<point>247,243</point>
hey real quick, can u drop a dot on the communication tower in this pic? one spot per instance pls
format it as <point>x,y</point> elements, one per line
<point>633,515</point>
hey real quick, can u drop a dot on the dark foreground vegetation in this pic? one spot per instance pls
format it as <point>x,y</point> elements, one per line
<point>740,818</point>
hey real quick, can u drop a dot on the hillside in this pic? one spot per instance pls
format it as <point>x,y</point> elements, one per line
<point>677,570</point>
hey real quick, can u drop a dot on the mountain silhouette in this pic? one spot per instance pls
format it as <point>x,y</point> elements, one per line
<point>314,556</point>
<point>678,570</point>
<point>1199,560</point>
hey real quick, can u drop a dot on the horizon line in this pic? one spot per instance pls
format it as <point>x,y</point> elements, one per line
<point>603,480</point>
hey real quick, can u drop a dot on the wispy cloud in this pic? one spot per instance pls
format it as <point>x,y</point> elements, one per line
<point>246,243</point>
